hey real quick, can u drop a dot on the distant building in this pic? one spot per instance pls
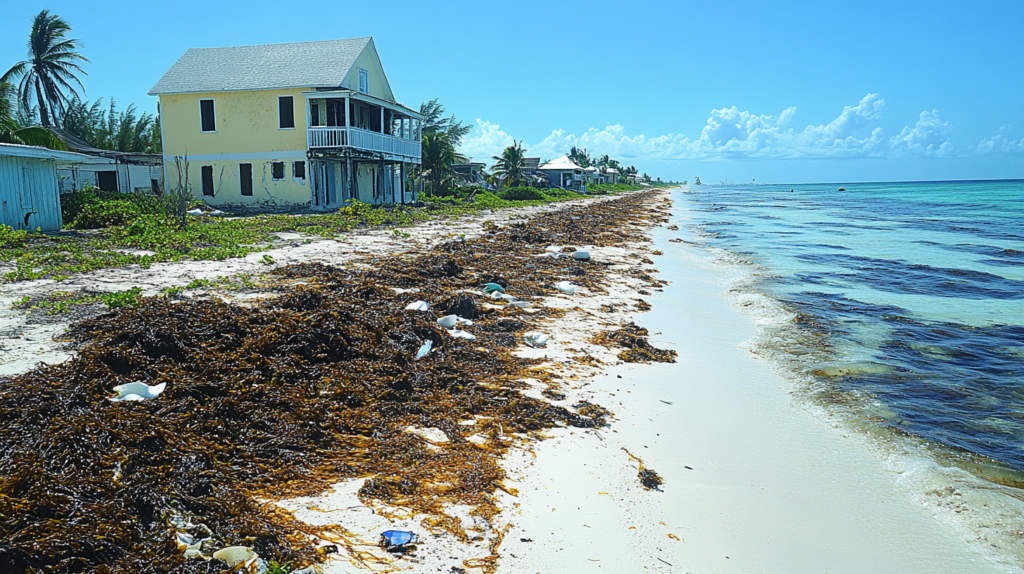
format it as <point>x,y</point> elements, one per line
<point>108,170</point>
<point>306,123</point>
<point>29,189</point>
<point>470,173</point>
<point>563,173</point>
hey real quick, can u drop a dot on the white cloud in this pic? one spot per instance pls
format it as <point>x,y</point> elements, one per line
<point>485,140</point>
<point>731,133</point>
<point>1000,144</point>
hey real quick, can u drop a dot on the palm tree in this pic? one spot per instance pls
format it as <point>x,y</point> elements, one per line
<point>50,69</point>
<point>510,166</point>
<point>11,130</point>
<point>580,157</point>
<point>435,122</point>
<point>438,157</point>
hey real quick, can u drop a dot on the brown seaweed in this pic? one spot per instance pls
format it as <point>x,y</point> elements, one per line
<point>284,398</point>
<point>637,348</point>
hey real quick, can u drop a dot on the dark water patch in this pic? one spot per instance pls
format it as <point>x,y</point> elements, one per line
<point>947,382</point>
<point>914,278</point>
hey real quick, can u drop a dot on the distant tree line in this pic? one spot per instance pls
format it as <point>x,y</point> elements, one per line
<point>40,103</point>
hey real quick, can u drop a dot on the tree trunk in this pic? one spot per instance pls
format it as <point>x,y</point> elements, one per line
<point>44,116</point>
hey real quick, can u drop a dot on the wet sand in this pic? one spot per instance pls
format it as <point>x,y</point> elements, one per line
<point>753,481</point>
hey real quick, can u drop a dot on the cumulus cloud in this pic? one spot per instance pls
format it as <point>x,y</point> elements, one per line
<point>485,140</point>
<point>731,133</point>
<point>1000,144</point>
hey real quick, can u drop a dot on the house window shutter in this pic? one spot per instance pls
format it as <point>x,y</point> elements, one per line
<point>208,180</point>
<point>286,111</point>
<point>245,173</point>
<point>207,119</point>
<point>364,81</point>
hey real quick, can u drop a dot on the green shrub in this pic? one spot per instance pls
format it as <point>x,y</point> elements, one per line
<point>11,238</point>
<point>522,194</point>
<point>105,214</point>
<point>72,204</point>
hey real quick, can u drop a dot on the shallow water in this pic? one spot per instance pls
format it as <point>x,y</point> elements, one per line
<point>909,294</point>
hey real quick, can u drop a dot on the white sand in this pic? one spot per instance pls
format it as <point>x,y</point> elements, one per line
<point>753,482</point>
<point>769,488</point>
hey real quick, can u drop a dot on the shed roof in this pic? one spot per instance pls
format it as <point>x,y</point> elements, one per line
<point>321,64</point>
<point>561,163</point>
<point>40,153</point>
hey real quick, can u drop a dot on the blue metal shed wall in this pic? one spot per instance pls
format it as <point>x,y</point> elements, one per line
<point>28,193</point>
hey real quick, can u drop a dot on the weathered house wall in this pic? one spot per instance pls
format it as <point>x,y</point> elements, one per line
<point>28,193</point>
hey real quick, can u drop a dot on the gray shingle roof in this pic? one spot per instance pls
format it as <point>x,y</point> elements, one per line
<point>320,64</point>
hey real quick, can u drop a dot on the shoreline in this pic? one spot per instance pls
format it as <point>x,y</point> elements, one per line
<point>752,482</point>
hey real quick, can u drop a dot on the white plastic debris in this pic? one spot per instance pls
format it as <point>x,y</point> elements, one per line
<point>195,211</point>
<point>566,287</point>
<point>425,349</point>
<point>216,213</point>
<point>553,248</point>
<point>520,304</point>
<point>581,256</point>
<point>462,334</point>
<point>536,339</point>
<point>137,391</point>
<point>502,296</point>
<point>417,306</point>
<point>448,321</point>
<point>234,555</point>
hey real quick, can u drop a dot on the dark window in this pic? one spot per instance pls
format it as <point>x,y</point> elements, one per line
<point>277,170</point>
<point>208,180</point>
<point>286,110</point>
<point>206,111</point>
<point>299,170</point>
<point>106,180</point>
<point>245,171</point>
<point>314,114</point>
<point>154,186</point>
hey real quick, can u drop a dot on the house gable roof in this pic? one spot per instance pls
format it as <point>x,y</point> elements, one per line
<point>322,64</point>
<point>37,152</point>
<point>562,163</point>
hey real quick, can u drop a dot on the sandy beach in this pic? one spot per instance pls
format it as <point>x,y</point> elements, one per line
<point>753,482</point>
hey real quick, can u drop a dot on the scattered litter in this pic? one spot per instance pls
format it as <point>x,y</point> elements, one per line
<point>491,287</point>
<point>417,306</point>
<point>216,213</point>
<point>581,256</point>
<point>462,334</point>
<point>666,402</point>
<point>188,545</point>
<point>566,287</point>
<point>196,211</point>
<point>137,391</point>
<point>536,339</point>
<point>553,249</point>
<point>520,304</point>
<point>448,321</point>
<point>399,290</point>
<point>397,540</point>
<point>234,556</point>
<point>425,349</point>
<point>503,296</point>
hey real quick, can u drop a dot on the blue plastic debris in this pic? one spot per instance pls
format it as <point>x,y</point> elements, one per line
<point>425,349</point>
<point>493,287</point>
<point>396,539</point>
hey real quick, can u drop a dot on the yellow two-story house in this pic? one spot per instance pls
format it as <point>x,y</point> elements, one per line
<point>280,125</point>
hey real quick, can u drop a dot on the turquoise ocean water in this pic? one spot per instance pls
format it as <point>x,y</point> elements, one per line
<point>905,303</point>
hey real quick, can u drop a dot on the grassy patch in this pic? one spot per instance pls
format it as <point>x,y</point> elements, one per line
<point>132,233</point>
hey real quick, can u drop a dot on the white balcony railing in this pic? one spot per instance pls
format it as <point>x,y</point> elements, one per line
<point>328,137</point>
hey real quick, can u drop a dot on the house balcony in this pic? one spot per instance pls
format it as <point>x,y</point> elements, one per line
<point>326,137</point>
<point>348,123</point>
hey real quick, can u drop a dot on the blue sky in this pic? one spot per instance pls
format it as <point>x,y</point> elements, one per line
<point>777,91</point>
